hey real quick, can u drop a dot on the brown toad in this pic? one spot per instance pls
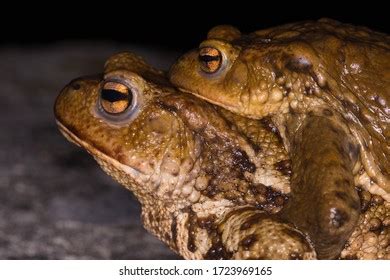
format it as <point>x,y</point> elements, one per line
<point>209,181</point>
<point>202,175</point>
<point>325,87</point>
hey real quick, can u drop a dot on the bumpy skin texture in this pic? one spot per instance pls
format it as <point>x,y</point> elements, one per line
<point>208,180</point>
<point>371,238</point>
<point>185,161</point>
<point>332,193</point>
<point>325,86</point>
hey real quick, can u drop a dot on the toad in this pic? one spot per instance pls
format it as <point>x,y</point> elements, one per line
<point>208,181</point>
<point>325,88</point>
<point>211,183</point>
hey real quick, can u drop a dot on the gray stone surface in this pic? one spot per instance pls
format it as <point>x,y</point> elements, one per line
<point>55,202</point>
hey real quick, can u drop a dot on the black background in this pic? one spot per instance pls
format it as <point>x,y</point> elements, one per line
<point>175,26</point>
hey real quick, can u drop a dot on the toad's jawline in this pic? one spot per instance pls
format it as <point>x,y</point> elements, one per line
<point>95,152</point>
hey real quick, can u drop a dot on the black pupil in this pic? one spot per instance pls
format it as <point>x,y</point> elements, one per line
<point>111,95</point>
<point>208,58</point>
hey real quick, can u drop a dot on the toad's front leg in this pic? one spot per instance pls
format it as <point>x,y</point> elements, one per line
<point>323,202</point>
<point>239,232</point>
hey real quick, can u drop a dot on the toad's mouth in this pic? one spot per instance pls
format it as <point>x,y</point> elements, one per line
<point>212,101</point>
<point>71,137</point>
<point>96,153</point>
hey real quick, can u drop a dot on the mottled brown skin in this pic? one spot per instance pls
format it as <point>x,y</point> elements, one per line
<point>208,181</point>
<point>325,87</point>
<point>220,208</point>
<point>332,193</point>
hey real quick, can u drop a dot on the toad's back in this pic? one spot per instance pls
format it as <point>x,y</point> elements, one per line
<point>350,65</point>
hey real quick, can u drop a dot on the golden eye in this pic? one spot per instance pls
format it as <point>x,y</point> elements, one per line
<point>115,97</point>
<point>210,59</point>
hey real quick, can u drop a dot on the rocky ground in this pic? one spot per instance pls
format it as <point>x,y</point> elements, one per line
<point>55,202</point>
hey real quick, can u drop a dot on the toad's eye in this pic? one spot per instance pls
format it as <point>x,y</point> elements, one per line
<point>210,59</point>
<point>115,97</point>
